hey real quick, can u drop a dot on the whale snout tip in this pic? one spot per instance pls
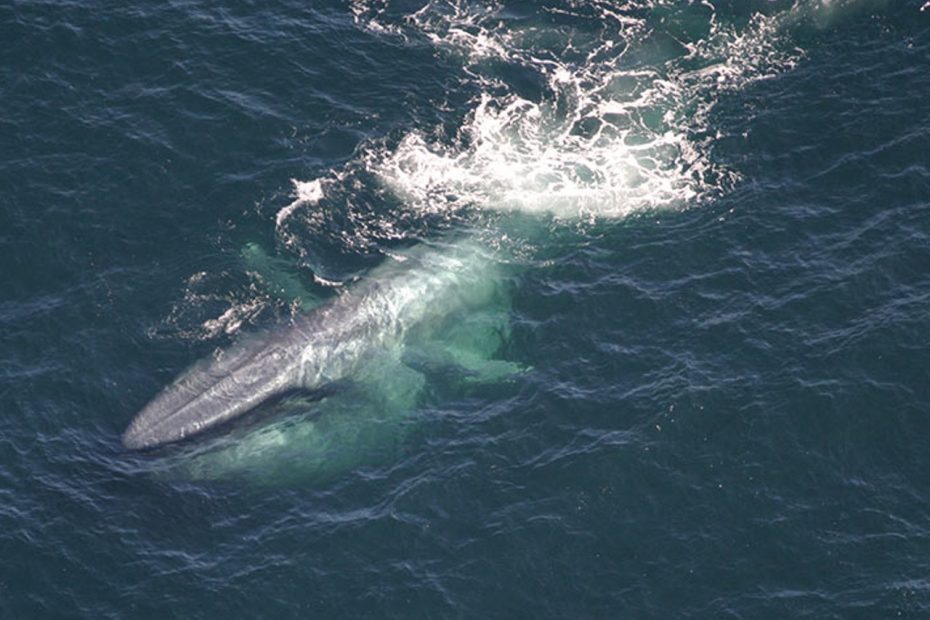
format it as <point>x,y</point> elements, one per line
<point>131,442</point>
<point>132,439</point>
<point>145,432</point>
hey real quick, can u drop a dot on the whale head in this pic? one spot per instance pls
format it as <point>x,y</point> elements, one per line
<point>219,390</point>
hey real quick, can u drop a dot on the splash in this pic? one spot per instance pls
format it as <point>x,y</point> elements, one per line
<point>582,110</point>
<point>305,193</point>
<point>586,109</point>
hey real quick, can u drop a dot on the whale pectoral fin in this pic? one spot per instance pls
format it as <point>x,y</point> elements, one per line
<point>429,359</point>
<point>467,349</point>
<point>390,383</point>
<point>467,352</point>
<point>461,367</point>
<point>491,371</point>
<point>278,276</point>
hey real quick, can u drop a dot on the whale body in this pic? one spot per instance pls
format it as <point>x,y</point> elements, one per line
<point>402,304</point>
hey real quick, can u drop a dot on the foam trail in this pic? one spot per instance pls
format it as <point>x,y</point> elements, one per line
<point>617,121</point>
<point>587,110</point>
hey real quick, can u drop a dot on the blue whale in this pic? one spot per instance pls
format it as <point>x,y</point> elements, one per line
<point>402,306</point>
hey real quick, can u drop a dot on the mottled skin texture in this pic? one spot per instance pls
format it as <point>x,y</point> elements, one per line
<point>377,317</point>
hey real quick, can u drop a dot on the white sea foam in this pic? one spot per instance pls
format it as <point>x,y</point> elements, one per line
<point>617,114</point>
<point>610,132</point>
<point>305,193</point>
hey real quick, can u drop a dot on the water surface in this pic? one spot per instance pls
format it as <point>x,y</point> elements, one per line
<point>715,227</point>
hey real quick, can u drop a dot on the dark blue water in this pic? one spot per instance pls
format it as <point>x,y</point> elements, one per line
<point>715,224</point>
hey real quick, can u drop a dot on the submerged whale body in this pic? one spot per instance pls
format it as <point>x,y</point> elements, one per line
<point>401,305</point>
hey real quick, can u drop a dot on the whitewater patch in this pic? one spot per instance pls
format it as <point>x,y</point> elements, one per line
<point>584,110</point>
<point>576,150</point>
<point>621,123</point>
<point>305,193</point>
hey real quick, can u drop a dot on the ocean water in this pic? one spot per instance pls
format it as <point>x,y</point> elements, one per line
<point>706,229</point>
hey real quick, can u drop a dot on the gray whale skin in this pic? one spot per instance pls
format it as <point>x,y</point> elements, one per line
<point>371,320</point>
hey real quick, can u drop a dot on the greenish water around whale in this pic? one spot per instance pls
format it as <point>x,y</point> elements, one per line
<point>707,239</point>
